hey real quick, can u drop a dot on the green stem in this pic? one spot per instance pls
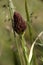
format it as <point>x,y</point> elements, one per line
<point>24,48</point>
<point>30,28</point>
<point>28,22</point>
<point>16,42</point>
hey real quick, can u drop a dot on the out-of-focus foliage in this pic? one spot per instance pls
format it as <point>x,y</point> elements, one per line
<point>6,35</point>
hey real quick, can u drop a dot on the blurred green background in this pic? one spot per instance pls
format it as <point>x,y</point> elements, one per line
<point>6,35</point>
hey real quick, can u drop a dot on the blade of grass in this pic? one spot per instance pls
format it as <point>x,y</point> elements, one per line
<point>32,47</point>
<point>27,14</point>
<point>16,43</point>
<point>28,22</point>
<point>24,48</point>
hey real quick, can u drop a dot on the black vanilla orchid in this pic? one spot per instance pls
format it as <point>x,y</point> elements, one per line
<point>19,25</point>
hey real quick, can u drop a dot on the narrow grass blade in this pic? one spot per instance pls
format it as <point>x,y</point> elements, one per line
<point>28,21</point>
<point>32,47</point>
<point>24,48</point>
<point>26,9</point>
<point>18,57</point>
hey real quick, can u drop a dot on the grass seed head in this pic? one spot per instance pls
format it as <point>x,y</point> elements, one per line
<point>19,25</point>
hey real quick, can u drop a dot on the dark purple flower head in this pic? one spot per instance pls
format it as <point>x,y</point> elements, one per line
<point>19,25</point>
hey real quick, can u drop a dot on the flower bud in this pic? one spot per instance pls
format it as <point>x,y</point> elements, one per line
<point>19,25</point>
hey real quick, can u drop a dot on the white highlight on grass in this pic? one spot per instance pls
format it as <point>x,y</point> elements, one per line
<point>32,47</point>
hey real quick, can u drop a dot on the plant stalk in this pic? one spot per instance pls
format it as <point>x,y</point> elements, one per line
<point>24,48</point>
<point>11,10</point>
<point>28,22</point>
